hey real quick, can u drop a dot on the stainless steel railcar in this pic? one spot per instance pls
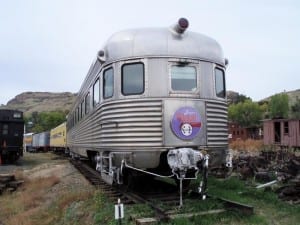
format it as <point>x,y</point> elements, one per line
<point>153,101</point>
<point>41,141</point>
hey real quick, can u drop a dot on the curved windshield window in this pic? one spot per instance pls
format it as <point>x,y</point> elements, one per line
<point>220,83</point>
<point>183,78</point>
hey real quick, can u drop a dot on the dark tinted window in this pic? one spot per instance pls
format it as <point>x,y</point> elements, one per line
<point>220,83</point>
<point>133,79</point>
<point>183,78</point>
<point>96,92</point>
<point>87,103</point>
<point>82,109</point>
<point>108,83</point>
<point>78,113</point>
<point>286,127</point>
<point>5,129</point>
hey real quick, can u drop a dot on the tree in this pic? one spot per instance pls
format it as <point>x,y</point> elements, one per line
<point>247,113</point>
<point>295,109</point>
<point>45,121</point>
<point>234,98</point>
<point>279,106</point>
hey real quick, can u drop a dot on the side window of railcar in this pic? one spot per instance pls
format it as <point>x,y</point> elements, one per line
<point>183,78</point>
<point>220,83</point>
<point>78,114</point>
<point>5,129</point>
<point>87,103</point>
<point>96,92</point>
<point>82,109</point>
<point>108,83</point>
<point>133,79</point>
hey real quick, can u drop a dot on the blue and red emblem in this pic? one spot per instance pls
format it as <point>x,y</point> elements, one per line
<point>186,123</point>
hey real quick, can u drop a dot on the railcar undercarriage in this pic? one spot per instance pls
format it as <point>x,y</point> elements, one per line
<point>184,165</point>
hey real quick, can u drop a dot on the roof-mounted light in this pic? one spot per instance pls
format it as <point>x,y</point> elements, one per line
<point>101,56</point>
<point>181,25</point>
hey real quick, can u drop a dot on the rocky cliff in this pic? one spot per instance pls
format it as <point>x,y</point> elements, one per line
<point>29,102</point>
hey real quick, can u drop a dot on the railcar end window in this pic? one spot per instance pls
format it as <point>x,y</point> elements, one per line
<point>183,78</point>
<point>87,103</point>
<point>96,92</point>
<point>17,115</point>
<point>133,79</point>
<point>220,83</point>
<point>108,83</point>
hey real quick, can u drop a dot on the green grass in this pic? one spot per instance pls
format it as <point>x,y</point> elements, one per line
<point>93,207</point>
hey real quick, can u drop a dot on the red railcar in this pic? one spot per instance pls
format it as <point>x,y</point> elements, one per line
<point>282,132</point>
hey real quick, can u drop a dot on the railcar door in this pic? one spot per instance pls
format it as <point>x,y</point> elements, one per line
<point>277,132</point>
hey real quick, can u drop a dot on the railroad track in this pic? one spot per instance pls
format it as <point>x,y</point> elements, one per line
<point>164,204</point>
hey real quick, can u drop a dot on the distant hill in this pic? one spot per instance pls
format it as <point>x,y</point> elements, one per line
<point>293,96</point>
<point>29,102</point>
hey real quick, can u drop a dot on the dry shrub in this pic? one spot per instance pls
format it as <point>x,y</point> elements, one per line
<point>237,145</point>
<point>249,145</point>
<point>42,183</point>
<point>35,189</point>
<point>18,208</point>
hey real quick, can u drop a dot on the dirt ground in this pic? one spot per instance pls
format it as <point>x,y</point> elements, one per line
<point>41,168</point>
<point>37,165</point>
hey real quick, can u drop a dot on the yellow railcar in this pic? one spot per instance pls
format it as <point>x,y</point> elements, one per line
<point>58,138</point>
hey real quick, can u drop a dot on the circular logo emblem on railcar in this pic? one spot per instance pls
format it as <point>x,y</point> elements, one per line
<point>186,123</point>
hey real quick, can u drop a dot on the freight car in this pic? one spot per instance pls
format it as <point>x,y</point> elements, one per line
<point>282,133</point>
<point>28,142</point>
<point>153,102</point>
<point>11,135</point>
<point>58,138</point>
<point>41,141</point>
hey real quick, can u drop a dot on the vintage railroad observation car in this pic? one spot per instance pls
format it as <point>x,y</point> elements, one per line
<point>154,102</point>
<point>11,135</point>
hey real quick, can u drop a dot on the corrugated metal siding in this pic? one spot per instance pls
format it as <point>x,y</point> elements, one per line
<point>131,123</point>
<point>217,127</point>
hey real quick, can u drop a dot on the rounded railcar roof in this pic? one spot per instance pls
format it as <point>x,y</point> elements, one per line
<point>161,42</point>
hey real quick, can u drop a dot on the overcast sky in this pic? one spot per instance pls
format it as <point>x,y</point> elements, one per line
<point>49,45</point>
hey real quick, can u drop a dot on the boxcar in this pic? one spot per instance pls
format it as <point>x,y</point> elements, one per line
<point>58,138</point>
<point>153,102</point>
<point>282,132</point>
<point>41,141</point>
<point>28,142</point>
<point>11,134</point>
